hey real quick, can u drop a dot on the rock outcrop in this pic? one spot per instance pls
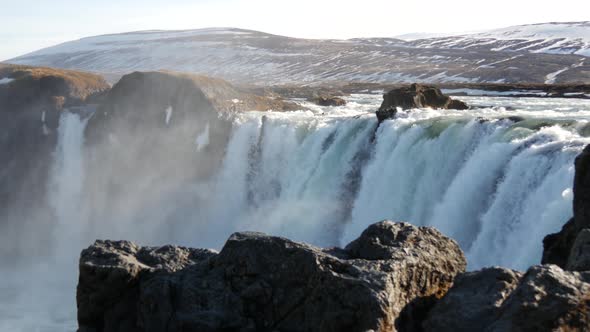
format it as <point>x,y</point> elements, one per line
<point>328,101</point>
<point>579,257</point>
<point>416,96</point>
<point>557,248</point>
<point>474,301</point>
<point>546,298</point>
<point>383,281</point>
<point>31,101</point>
<point>160,130</point>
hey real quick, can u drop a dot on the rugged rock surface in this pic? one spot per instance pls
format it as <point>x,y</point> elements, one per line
<point>384,114</point>
<point>546,298</point>
<point>37,88</point>
<point>418,95</point>
<point>474,301</point>
<point>328,101</point>
<point>557,248</point>
<point>31,100</point>
<point>579,258</point>
<point>383,281</point>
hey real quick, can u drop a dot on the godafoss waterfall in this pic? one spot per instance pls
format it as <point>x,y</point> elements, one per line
<point>497,178</point>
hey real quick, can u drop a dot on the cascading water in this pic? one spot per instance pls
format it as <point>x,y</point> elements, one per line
<point>496,185</point>
<point>67,180</point>
<point>40,295</point>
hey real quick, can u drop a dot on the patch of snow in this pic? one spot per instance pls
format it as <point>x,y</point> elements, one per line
<point>572,30</point>
<point>202,139</point>
<point>169,111</point>
<point>6,80</point>
<point>551,77</point>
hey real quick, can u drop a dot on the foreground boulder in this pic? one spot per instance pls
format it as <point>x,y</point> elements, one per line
<point>557,248</point>
<point>546,298</point>
<point>416,96</point>
<point>383,281</point>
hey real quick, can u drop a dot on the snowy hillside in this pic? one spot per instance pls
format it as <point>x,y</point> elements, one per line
<point>535,53</point>
<point>556,38</point>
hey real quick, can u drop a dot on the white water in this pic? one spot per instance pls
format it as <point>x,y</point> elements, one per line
<point>39,296</point>
<point>496,186</point>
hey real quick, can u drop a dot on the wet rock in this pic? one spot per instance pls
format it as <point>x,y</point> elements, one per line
<point>455,104</point>
<point>557,247</point>
<point>382,281</point>
<point>385,114</point>
<point>328,101</point>
<point>546,298</point>
<point>418,96</point>
<point>579,257</point>
<point>582,190</point>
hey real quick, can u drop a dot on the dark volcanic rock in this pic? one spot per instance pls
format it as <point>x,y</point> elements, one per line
<point>557,247</point>
<point>546,298</point>
<point>417,96</point>
<point>474,300</point>
<point>328,101</point>
<point>579,258</point>
<point>384,114</point>
<point>380,282</point>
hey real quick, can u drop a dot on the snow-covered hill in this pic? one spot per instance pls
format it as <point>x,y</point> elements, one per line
<point>554,38</point>
<point>553,52</point>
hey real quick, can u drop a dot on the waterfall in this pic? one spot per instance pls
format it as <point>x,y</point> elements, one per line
<point>498,197</point>
<point>322,176</point>
<point>40,295</point>
<point>494,183</point>
<point>67,179</point>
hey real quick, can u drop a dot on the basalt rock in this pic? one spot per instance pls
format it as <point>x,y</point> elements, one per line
<point>546,298</point>
<point>557,247</point>
<point>579,257</point>
<point>418,96</point>
<point>328,101</point>
<point>384,114</point>
<point>383,281</point>
<point>474,301</point>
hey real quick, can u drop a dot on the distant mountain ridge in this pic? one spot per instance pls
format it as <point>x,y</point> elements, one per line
<point>537,53</point>
<point>553,38</point>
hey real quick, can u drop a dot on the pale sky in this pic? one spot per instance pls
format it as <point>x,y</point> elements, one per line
<point>27,25</point>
